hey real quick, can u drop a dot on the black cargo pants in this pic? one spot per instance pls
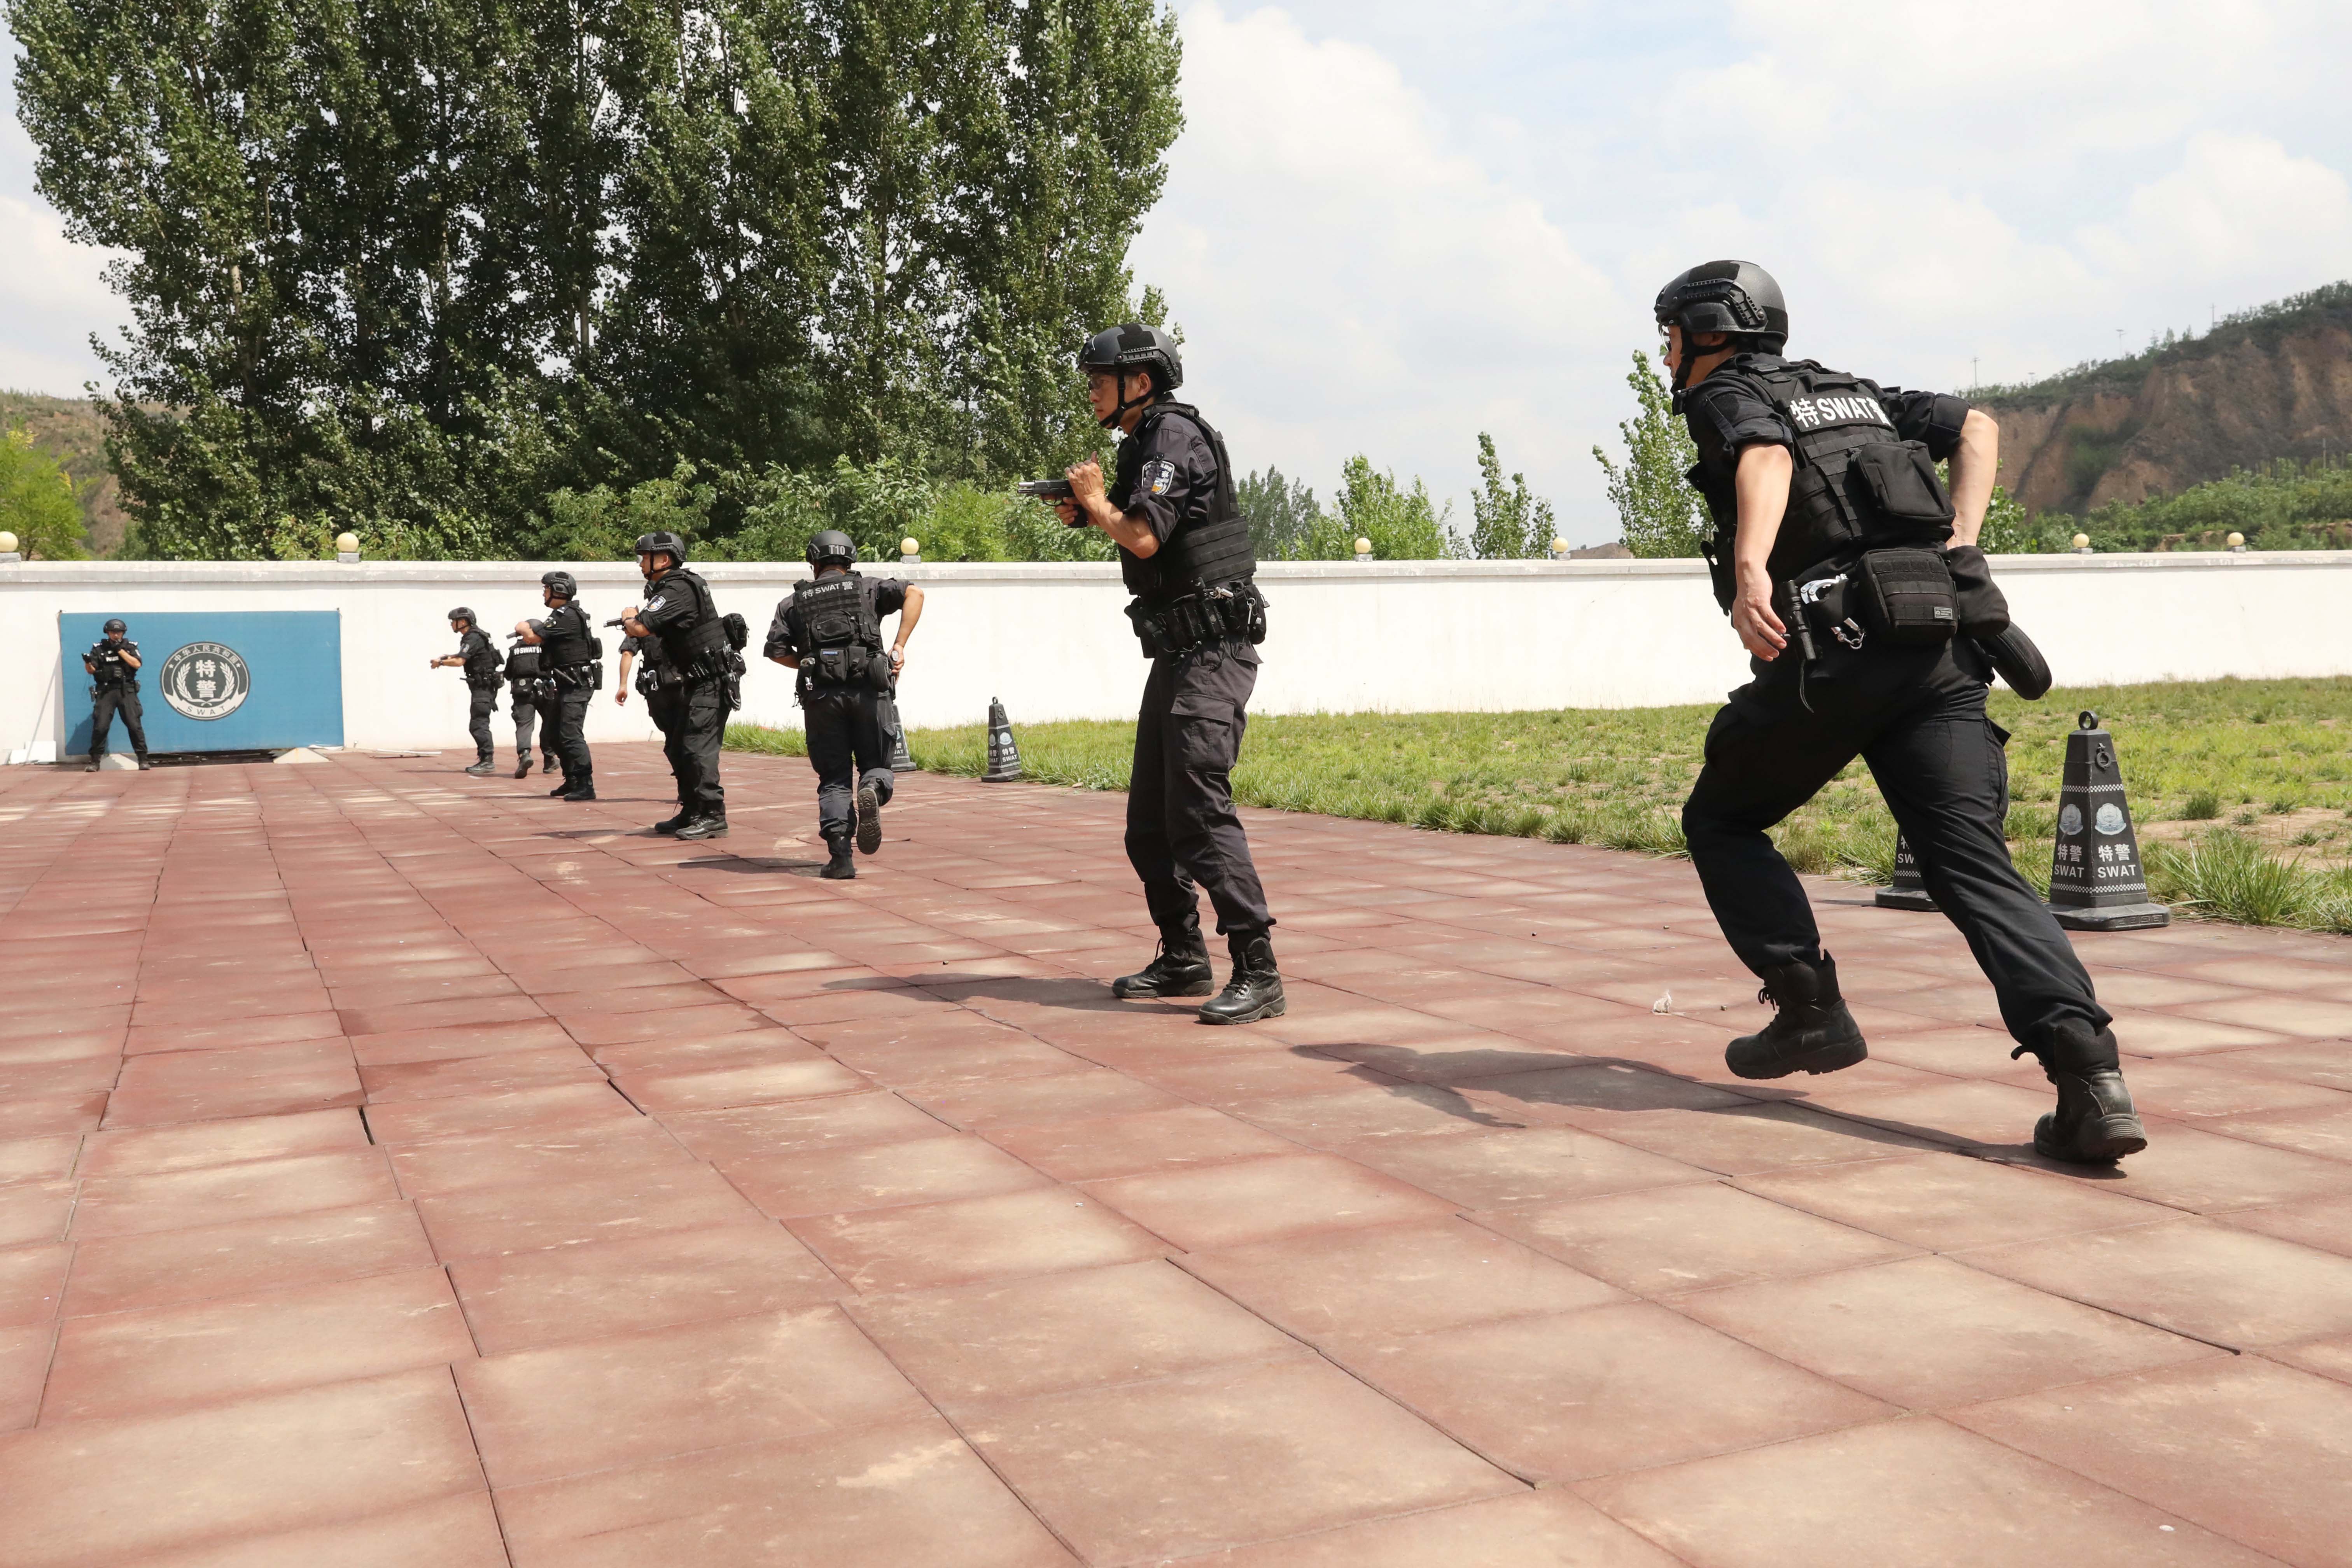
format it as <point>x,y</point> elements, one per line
<point>1181,828</point>
<point>1916,717</point>
<point>526,721</point>
<point>565,733</point>
<point>483,702</point>
<point>111,700</point>
<point>846,746</point>
<point>692,716</point>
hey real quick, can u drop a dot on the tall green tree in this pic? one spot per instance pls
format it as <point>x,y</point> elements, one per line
<point>1403,524</point>
<point>1660,513</point>
<point>37,503</point>
<point>416,268</point>
<point>1282,513</point>
<point>1507,521</point>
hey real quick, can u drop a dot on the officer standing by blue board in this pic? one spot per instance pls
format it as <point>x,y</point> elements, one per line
<point>572,661</point>
<point>1852,575</point>
<point>113,664</point>
<point>1184,552</point>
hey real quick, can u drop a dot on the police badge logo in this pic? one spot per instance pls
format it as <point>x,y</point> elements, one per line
<point>1157,475</point>
<point>205,680</point>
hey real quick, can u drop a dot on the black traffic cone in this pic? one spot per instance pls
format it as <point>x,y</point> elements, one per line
<point>902,761</point>
<point>1910,890</point>
<point>1003,756</point>
<point>2096,882</point>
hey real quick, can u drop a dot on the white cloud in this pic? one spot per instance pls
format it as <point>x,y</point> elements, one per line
<point>2236,207</point>
<point>1349,278</point>
<point>52,291</point>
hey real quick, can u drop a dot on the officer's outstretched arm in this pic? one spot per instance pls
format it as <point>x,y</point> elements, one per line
<point>1974,463</point>
<point>1762,487</point>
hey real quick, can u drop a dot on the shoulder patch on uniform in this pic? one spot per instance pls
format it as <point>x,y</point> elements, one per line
<point>1158,475</point>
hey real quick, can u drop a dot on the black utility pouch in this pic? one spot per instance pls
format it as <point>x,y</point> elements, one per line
<point>1984,609</point>
<point>1908,596</point>
<point>1147,628</point>
<point>1900,478</point>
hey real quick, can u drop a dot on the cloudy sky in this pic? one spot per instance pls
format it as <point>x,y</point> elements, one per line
<point>1390,225</point>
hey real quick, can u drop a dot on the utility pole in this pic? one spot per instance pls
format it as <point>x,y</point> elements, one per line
<point>1975,380</point>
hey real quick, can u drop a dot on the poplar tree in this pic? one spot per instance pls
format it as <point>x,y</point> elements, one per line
<point>414,268</point>
<point>1660,513</point>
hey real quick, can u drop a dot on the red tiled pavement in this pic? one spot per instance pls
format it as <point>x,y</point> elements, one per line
<point>400,1168</point>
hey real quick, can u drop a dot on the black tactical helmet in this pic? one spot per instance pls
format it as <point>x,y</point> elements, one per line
<point>1737,297</point>
<point>462,613</point>
<point>665,543</point>
<point>116,625</point>
<point>1134,347</point>
<point>564,582</point>
<point>832,545</point>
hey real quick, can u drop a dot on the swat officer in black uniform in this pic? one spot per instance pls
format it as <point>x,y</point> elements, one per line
<point>1184,552</point>
<point>1852,577</point>
<point>484,669</point>
<point>697,681</point>
<point>531,699</point>
<point>572,660</point>
<point>830,630</point>
<point>113,664</point>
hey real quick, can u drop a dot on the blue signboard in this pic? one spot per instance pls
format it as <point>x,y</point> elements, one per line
<point>235,680</point>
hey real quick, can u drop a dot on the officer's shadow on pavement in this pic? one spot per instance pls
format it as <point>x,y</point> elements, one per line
<point>1065,992</point>
<point>1441,1080</point>
<point>761,865</point>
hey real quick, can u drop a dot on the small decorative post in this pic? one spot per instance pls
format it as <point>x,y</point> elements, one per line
<point>347,549</point>
<point>1363,550</point>
<point>8,550</point>
<point>910,552</point>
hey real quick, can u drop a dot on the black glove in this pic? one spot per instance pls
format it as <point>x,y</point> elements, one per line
<point>1984,613</point>
<point>2017,661</point>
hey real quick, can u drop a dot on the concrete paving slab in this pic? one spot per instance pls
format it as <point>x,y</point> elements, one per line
<point>387,1136</point>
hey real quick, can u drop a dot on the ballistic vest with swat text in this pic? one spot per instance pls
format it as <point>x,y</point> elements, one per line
<point>1856,485</point>
<point>1209,553</point>
<point>841,634</point>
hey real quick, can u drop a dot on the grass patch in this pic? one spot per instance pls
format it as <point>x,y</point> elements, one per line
<point>1618,777</point>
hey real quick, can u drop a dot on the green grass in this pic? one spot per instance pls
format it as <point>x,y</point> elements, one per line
<point>2273,756</point>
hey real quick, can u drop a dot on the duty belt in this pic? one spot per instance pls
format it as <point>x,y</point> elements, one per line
<point>1180,624</point>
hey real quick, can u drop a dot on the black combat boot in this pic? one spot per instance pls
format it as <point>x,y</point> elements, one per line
<point>484,766</point>
<point>1181,967</point>
<point>869,819</point>
<point>843,866</point>
<point>96,762</point>
<point>671,825</point>
<point>584,789</point>
<point>145,764</point>
<point>522,764</point>
<point>1812,1032</point>
<point>1255,989</point>
<point>559,791</point>
<point>2094,1124</point>
<point>711,827</point>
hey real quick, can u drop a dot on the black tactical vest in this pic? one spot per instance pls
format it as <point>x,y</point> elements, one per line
<point>111,670</point>
<point>840,635</point>
<point>482,662</point>
<point>567,640</point>
<point>1210,553</point>
<point>1856,486</point>
<point>697,645</point>
<point>523,664</point>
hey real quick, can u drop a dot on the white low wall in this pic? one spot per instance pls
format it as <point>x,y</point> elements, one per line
<point>1401,636</point>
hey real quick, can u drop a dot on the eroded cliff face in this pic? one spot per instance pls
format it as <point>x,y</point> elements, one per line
<point>2250,398</point>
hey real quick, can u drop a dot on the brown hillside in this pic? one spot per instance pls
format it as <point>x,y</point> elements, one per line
<point>2269,383</point>
<point>70,430</point>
